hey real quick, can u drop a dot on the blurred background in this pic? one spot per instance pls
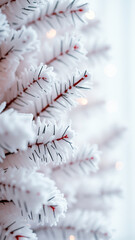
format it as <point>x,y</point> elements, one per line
<point>106,116</point>
<point>117,22</point>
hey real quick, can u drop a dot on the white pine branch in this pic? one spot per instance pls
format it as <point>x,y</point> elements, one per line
<point>90,222</point>
<point>12,224</point>
<point>3,2</point>
<point>65,52</point>
<point>92,24</point>
<point>11,52</point>
<point>16,130</point>
<point>44,14</point>
<point>63,95</point>
<point>97,51</point>
<point>53,143</point>
<point>97,192</point>
<point>31,84</point>
<point>36,196</point>
<point>4,27</point>
<point>19,11</point>
<point>85,161</point>
<point>60,98</point>
<point>85,224</point>
<point>111,137</point>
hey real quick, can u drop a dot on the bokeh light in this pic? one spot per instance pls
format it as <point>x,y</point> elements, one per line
<point>90,14</point>
<point>51,33</point>
<point>82,101</point>
<point>119,165</point>
<point>71,237</point>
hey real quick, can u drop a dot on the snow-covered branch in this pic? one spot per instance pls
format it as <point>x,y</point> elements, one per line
<point>12,224</point>
<point>110,137</point>
<point>91,24</point>
<point>85,161</point>
<point>4,27</point>
<point>39,200</point>
<point>86,224</point>
<point>44,14</point>
<point>53,143</point>
<point>59,98</point>
<point>16,130</point>
<point>31,84</point>
<point>97,51</point>
<point>65,53</point>
<point>11,52</point>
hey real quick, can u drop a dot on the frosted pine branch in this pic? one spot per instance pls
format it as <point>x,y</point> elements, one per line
<point>58,99</point>
<point>53,143</point>
<point>31,84</point>
<point>12,224</point>
<point>86,224</point>
<point>4,27</point>
<point>94,193</point>
<point>34,141</point>
<point>84,162</point>
<point>11,52</point>
<point>97,51</point>
<point>110,137</point>
<point>18,42</point>
<point>66,52</point>
<point>91,25</point>
<point>39,200</point>
<point>89,222</point>
<point>63,95</point>
<point>3,2</point>
<point>16,130</point>
<point>23,9</point>
<point>46,14</point>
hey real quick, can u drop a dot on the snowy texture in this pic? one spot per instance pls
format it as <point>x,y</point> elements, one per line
<point>4,27</point>
<point>38,200</point>
<point>11,53</point>
<point>44,14</point>
<point>44,170</point>
<point>88,225</point>
<point>12,126</point>
<point>53,143</point>
<point>12,224</point>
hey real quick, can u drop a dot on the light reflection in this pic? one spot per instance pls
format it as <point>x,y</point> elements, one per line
<point>82,101</point>
<point>51,33</point>
<point>119,165</point>
<point>90,14</point>
<point>71,237</point>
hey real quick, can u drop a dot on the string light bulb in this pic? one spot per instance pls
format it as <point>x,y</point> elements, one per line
<point>90,15</point>
<point>51,33</point>
<point>71,237</point>
<point>82,101</point>
<point>119,165</point>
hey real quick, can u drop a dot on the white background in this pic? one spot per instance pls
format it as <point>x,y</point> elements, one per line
<point>118,21</point>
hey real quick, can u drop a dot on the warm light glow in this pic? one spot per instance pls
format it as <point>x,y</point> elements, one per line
<point>119,165</point>
<point>110,70</point>
<point>51,33</point>
<point>71,237</point>
<point>82,101</point>
<point>111,107</point>
<point>90,15</point>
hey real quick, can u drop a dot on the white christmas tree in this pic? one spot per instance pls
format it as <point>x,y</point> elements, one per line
<point>43,72</point>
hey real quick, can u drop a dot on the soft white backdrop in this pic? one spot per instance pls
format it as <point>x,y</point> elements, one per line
<point>118,21</point>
